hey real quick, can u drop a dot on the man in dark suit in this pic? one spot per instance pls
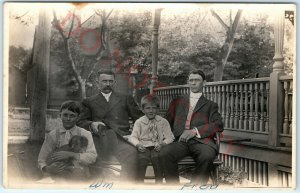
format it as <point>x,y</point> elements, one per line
<point>194,121</point>
<point>106,115</point>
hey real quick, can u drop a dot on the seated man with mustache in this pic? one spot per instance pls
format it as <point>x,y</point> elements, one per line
<point>106,115</point>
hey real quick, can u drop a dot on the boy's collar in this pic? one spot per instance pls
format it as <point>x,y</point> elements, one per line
<point>146,121</point>
<point>62,129</point>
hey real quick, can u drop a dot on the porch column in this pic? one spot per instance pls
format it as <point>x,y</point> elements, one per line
<point>276,92</point>
<point>276,89</point>
<point>39,92</point>
<point>156,23</point>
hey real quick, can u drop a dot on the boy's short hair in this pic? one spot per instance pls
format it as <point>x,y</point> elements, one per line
<point>70,105</point>
<point>197,71</point>
<point>150,99</point>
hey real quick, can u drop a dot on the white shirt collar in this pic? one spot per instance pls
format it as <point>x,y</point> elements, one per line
<point>106,96</point>
<point>62,129</point>
<point>146,121</point>
<point>195,95</point>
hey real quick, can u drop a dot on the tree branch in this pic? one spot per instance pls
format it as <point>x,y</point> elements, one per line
<point>107,16</point>
<point>19,17</point>
<point>236,20</point>
<point>57,26</point>
<point>87,19</point>
<point>92,69</point>
<point>219,19</point>
<point>72,24</point>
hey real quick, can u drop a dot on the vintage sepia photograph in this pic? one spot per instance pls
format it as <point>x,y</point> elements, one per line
<point>149,96</point>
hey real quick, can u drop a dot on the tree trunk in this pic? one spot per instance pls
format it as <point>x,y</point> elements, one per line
<point>227,47</point>
<point>82,88</point>
<point>218,73</point>
<point>38,106</point>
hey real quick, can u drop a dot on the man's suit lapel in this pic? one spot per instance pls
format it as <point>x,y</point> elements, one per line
<point>101,101</point>
<point>186,104</point>
<point>113,100</point>
<point>201,102</point>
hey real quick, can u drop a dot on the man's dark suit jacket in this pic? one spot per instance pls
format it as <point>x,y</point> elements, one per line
<point>115,113</point>
<point>205,118</point>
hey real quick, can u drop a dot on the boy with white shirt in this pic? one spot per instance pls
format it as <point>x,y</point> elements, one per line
<point>69,113</point>
<point>150,133</point>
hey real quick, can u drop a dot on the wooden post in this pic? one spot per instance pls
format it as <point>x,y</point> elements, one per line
<point>276,89</point>
<point>38,106</point>
<point>156,23</point>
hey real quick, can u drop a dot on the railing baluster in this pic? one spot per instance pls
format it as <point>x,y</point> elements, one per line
<point>246,122</point>
<point>284,179</point>
<point>262,108</point>
<point>260,173</point>
<point>256,108</point>
<point>255,171</point>
<point>247,168</point>
<point>251,174</point>
<point>236,107</point>
<point>268,97</point>
<point>231,107</point>
<point>233,164</point>
<point>238,167</point>
<point>251,108</point>
<point>227,120</point>
<point>223,114</point>
<point>289,180</point>
<point>242,163</point>
<point>265,174</point>
<point>291,108</point>
<point>286,107</point>
<point>208,92</point>
<point>241,121</point>
<point>219,98</point>
<point>213,93</point>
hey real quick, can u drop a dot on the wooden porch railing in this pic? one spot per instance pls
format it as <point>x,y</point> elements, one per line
<point>285,135</point>
<point>243,104</point>
<point>245,108</point>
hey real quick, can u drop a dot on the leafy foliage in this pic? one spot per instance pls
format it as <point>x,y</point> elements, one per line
<point>253,51</point>
<point>132,34</point>
<point>20,57</point>
<point>229,176</point>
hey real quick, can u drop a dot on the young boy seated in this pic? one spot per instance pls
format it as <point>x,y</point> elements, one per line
<point>77,144</point>
<point>150,133</point>
<point>55,159</point>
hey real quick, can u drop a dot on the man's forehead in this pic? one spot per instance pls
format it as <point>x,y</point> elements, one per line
<point>106,77</point>
<point>195,76</point>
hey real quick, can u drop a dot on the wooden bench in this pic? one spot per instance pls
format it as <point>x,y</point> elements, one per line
<point>187,163</point>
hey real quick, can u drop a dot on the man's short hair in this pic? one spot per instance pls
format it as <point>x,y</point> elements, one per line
<point>105,71</point>
<point>200,72</point>
<point>70,105</point>
<point>150,99</point>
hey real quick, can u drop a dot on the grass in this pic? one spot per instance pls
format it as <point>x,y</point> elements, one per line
<point>22,163</point>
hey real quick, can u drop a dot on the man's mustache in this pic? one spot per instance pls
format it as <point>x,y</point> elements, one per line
<point>108,87</point>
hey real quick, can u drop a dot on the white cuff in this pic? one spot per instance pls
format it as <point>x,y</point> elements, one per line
<point>197,133</point>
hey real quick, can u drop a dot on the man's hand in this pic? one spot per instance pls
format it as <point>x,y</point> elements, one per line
<point>158,147</point>
<point>140,148</point>
<point>55,168</point>
<point>95,125</point>
<point>187,135</point>
<point>62,155</point>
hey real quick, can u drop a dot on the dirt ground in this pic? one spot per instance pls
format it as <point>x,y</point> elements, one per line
<point>22,172</point>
